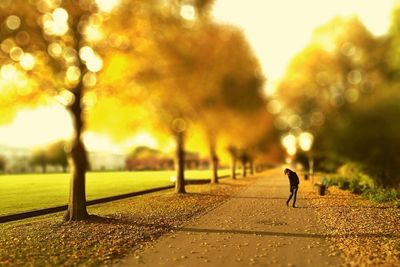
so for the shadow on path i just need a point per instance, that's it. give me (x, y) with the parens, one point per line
(267, 233)
(245, 197)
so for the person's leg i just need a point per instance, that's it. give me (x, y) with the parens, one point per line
(290, 197)
(295, 196)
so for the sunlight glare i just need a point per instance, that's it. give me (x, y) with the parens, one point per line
(141, 139)
(99, 143)
(278, 29)
(35, 127)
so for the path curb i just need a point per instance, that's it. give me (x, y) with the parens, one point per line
(40, 212)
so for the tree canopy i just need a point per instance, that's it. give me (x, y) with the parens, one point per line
(342, 88)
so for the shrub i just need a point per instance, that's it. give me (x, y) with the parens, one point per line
(355, 179)
(344, 184)
(383, 195)
(351, 177)
(329, 181)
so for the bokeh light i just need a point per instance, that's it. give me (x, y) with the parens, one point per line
(13, 22)
(352, 95)
(65, 97)
(93, 62)
(55, 50)
(70, 55)
(7, 45)
(107, 5)
(188, 12)
(289, 143)
(274, 106)
(89, 79)
(27, 61)
(22, 38)
(56, 23)
(73, 75)
(8, 72)
(90, 99)
(305, 141)
(16, 53)
(179, 125)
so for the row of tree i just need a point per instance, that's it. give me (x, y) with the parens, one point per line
(344, 87)
(55, 154)
(2, 163)
(121, 69)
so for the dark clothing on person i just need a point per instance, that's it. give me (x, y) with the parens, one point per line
(294, 186)
(293, 192)
(293, 179)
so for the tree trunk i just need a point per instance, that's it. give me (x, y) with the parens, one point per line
(214, 161)
(233, 167)
(180, 158)
(78, 163)
(251, 167)
(44, 168)
(244, 163)
(78, 157)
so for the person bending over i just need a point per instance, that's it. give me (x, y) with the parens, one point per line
(294, 186)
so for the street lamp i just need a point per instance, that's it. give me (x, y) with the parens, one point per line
(188, 12)
(289, 143)
(305, 141)
(189, 15)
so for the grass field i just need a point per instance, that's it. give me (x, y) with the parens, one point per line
(19, 193)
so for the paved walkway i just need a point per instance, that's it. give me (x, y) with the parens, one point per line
(252, 228)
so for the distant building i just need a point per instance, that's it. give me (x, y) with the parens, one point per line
(149, 163)
(18, 160)
(193, 161)
(145, 158)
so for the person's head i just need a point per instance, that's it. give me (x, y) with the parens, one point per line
(287, 171)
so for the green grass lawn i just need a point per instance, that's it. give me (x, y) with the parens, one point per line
(19, 193)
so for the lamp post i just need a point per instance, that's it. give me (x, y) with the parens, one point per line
(305, 141)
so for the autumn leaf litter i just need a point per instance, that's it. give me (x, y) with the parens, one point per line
(116, 230)
(366, 233)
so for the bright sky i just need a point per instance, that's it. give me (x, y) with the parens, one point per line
(35, 127)
(278, 29)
